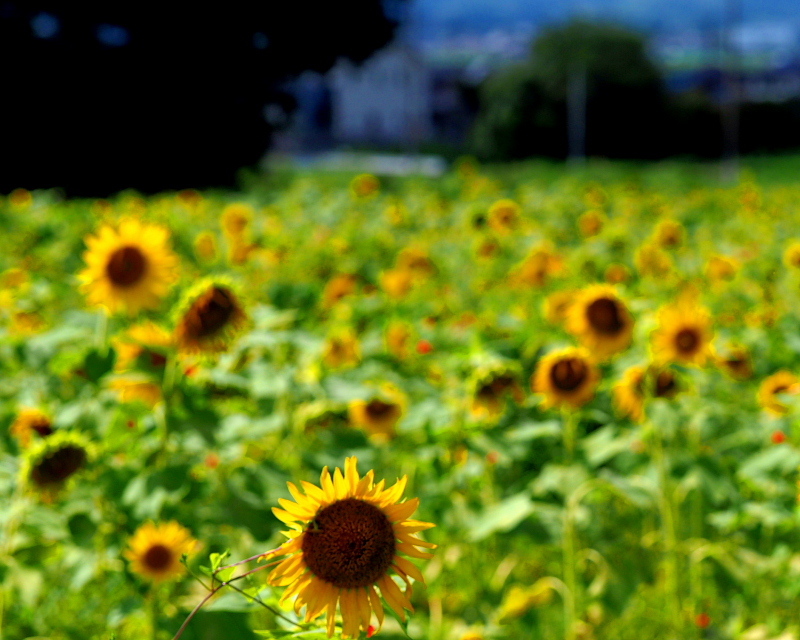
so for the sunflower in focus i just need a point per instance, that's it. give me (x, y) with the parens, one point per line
(155, 550)
(600, 320)
(345, 537)
(566, 378)
(684, 333)
(128, 268)
(29, 422)
(783, 382)
(209, 318)
(50, 463)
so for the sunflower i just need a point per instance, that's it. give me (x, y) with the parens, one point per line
(591, 223)
(364, 185)
(128, 268)
(342, 349)
(51, 462)
(396, 283)
(640, 383)
(600, 320)
(378, 416)
(236, 219)
(721, 269)
(566, 377)
(145, 344)
(345, 537)
(205, 246)
(617, 273)
(155, 550)
(491, 387)
(783, 382)
(397, 338)
(136, 388)
(28, 422)
(669, 234)
(504, 215)
(209, 318)
(791, 257)
(684, 333)
(417, 261)
(538, 267)
(736, 362)
(337, 288)
(556, 306)
(652, 261)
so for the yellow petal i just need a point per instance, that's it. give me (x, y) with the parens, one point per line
(398, 512)
(408, 567)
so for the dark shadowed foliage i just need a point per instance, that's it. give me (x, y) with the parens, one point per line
(155, 95)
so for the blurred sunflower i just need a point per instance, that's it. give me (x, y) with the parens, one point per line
(783, 382)
(791, 257)
(379, 415)
(417, 261)
(591, 223)
(736, 362)
(364, 185)
(640, 383)
(209, 318)
(236, 219)
(617, 273)
(538, 267)
(50, 463)
(136, 388)
(342, 349)
(566, 377)
(129, 268)
(147, 341)
(205, 246)
(338, 287)
(721, 269)
(155, 550)
(504, 215)
(600, 320)
(28, 422)
(684, 333)
(652, 261)
(490, 389)
(397, 339)
(556, 306)
(396, 283)
(345, 536)
(669, 234)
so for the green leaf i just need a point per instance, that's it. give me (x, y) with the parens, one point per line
(97, 364)
(217, 559)
(503, 516)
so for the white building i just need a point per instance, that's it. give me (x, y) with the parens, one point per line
(386, 99)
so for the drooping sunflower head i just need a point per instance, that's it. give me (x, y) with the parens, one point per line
(490, 387)
(504, 215)
(345, 538)
(50, 463)
(209, 317)
(129, 267)
(771, 388)
(566, 377)
(155, 550)
(600, 320)
(29, 422)
(684, 333)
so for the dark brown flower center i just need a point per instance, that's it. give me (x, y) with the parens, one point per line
(604, 316)
(126, 266)
(210, 313)
(42, 427)
(59, 465)
(687, 341)
(158, 557)
(349, 544)
(666, 385)
(568, 374)
(377, 409)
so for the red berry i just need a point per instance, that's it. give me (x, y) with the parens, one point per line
(370, 631)
(423, 347)
(778, 437)
(702, 620)
(492, 457)
(212, 460)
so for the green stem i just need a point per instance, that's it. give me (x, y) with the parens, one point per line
(668, 526)
(570, 576)
(569, 433)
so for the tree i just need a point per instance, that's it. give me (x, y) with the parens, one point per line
(625, 98)
(158, 95)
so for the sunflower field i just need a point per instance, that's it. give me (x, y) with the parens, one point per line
(512, 402)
